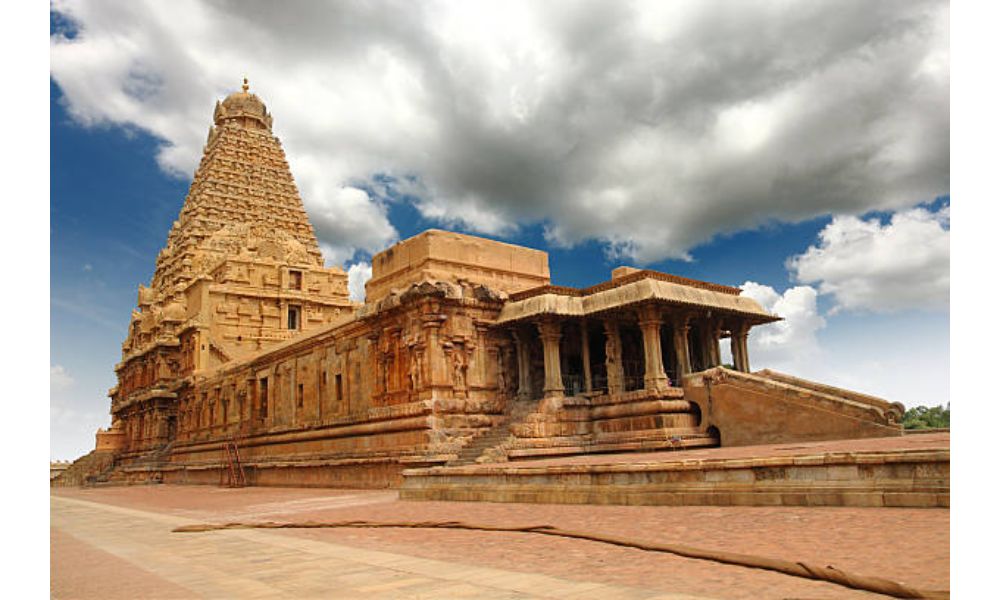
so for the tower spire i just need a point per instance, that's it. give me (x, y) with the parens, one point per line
(242, 185)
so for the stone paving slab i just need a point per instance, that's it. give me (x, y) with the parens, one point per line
(226, 564)
(907, 545)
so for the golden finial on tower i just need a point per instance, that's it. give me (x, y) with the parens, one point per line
(246, 85)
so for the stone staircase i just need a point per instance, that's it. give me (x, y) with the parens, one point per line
(491, 445)
(142, 469)
(629, 422)
(86, 469)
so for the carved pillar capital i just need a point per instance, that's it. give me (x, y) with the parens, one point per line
(549, 330)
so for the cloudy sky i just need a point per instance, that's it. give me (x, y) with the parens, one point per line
(797, 149)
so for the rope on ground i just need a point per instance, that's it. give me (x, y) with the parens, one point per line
(828, 573)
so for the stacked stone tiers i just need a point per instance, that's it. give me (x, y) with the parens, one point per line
(641, 420)
(910, 471)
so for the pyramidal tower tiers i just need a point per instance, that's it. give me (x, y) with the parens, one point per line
(241, 269)
(243, 184)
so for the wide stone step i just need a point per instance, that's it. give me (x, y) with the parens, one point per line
(790, 475)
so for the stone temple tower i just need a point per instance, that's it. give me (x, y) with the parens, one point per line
(241, 271)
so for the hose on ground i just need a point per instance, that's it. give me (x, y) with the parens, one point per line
(828, 573)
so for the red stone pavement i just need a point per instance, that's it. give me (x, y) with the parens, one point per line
(907, 545)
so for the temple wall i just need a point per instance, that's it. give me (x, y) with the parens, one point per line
(407, 383)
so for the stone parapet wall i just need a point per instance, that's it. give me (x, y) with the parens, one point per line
(913, 479)
(627, 421)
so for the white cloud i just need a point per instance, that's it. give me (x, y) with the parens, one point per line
(59, 378)
(357, 275)
(648, 127)
(868, 266)
(900, 358)
(790, 344)
(346, 220)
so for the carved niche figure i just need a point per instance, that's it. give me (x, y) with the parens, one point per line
(415, 366)
(459, 365)
(501, 374)
(611, 352)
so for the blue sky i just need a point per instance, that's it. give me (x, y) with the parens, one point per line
(853, 253)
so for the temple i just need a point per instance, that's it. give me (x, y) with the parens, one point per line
(246, 361)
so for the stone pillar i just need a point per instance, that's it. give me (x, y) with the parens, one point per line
(613, 357)
(738, 341)
(523, 365)
(504, 370)
(162, 433)
(712, 335)
(347, 383)
(585, 356)
(550, 332)
(477, 370)
(655, 378)
(681, 329)
(374, 347)
(437, 367)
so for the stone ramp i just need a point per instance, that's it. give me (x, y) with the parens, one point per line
(773, 408)
(908, 471)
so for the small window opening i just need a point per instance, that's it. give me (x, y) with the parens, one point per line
(293, 317)
(300, 397)
(295, 280)
(339, 387)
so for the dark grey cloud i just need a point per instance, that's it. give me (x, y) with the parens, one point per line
(649, 126)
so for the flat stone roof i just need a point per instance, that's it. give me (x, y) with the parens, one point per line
(631, 289)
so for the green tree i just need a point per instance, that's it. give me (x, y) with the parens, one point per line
(921, 417)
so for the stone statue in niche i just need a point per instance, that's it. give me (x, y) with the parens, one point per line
(415, 366)
(611, 352)
(460, 366)
(501, 374)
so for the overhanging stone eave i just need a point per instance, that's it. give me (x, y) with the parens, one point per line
(540, 306)
(631, 295)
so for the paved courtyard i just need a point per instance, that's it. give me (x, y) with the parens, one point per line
(117, 543)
